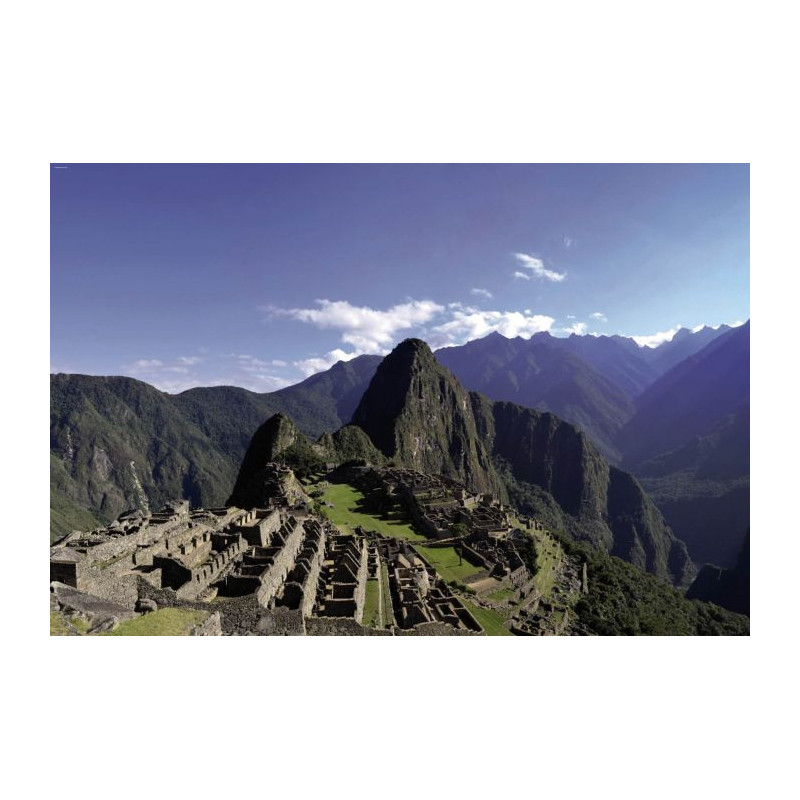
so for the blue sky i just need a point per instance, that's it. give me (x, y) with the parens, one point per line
(258, 275)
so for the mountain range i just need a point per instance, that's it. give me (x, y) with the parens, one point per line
(676, 416)
(118, 443)
(418, 415)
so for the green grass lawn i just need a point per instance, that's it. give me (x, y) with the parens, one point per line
(348, 511)
(549, 556)
(445, 561)
(490, 621)
(58, 625)
(164, 622)
(501, 594)
(371, 616)
(388, 612)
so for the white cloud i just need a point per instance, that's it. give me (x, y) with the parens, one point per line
(537, 268)
(371, 331)
(655, 339)
(250, 381)
(578, 328)
(482, 293)
(310, 366)
(523, 275)
(235, 369)
(368, 330)
(470, 323)
(568, 242)
(252, 364)
(599, 316)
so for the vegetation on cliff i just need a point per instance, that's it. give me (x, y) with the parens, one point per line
(625, 601)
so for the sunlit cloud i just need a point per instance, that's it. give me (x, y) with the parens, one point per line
(376, 332)
(578, 328)
(470, 323)
(482, 293)
(315, 364)
(655, 339)
(366, 329)
(537, 268)
(599, 316)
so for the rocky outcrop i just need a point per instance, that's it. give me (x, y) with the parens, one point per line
(98, 614)
(350, 443)
(729, 588)
(602, 504)
(260, 478)
(418, 415)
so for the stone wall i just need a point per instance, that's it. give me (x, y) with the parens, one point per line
(112, 586)
(361, 585)
(211, 627)
(340, 626)
(202, 576)
(273, 577)
(257, 528)
(436, 629)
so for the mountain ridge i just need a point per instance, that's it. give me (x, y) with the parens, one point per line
(402, 410)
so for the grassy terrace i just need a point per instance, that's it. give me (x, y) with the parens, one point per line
(501, 594)
(164, 622)
(349, 510)
(372, 616)
(445, 561)
(490, 621)
(549, 556)
(387, 596)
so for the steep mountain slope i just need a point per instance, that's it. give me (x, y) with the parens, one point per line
(419, 416)
(729, 588)
(275, 440)
(322, 403)
(690, 399)
(703, 490)
(117, 442)
(598, 502)
(327, 400)
(684, 344)
(624, 601)
(689, 445)
(542, 373)
(617, 358)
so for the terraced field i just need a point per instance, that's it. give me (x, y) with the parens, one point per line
(347, 509)
(445, 560)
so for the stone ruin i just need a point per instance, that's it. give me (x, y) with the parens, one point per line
(281, 569)
(265, 570)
